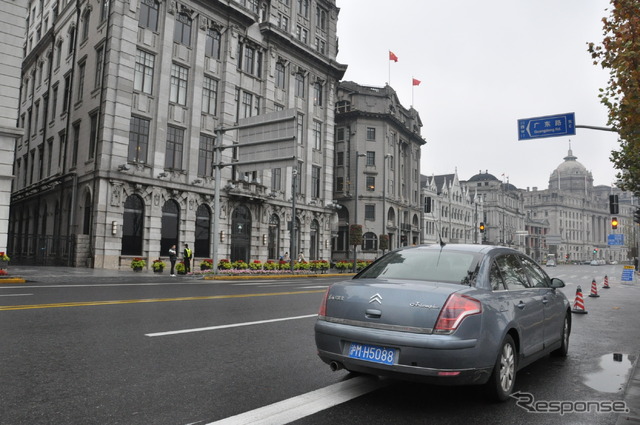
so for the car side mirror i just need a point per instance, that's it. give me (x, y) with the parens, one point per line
(557, 283)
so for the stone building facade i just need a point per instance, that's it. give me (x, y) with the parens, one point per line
(452, 213)
(13, 14)
(377, 163)
(120, 104)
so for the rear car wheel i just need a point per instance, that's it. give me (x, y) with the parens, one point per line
(566, 331)
(503, 378)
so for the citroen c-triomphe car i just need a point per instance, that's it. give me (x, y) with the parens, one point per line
(445, 314)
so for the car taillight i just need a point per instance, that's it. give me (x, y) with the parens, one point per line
(323, 306)
(454, 311)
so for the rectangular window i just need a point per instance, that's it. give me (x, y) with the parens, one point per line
(321, 19)
(315, 182)
(300, 128)
(76, 143)
(86, 19)
(99, 64)
(317, 135)
(300, 85)
(104, 10)
(303, 7)
(93, 135)
(209, 95)
(340, 158)
(249, 58)
(339, 184)
(317, 94)
(138, 140)
(212, 44)
(340, 134)
(182, 30)
(276, 179)
(369, 212)
(40, 175)
(178, 92)
(280, 76)
(283, 22)
(54, 102)
(81, 72)
(149, 14)
(321, 45)
(61, 152)
(205, 157)
(371, 134)
(67, 92)
(371, 183)
(49, 155)
(301, 33)
(175, 144)
(371, 158)
(143, 74)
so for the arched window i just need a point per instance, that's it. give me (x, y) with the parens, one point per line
(314, 240)
(86, 222)
(369, 242)
(241, 234)
(132, 226)
(203, 232)
(170, 226)
(274, 237)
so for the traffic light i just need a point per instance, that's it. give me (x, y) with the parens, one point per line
(481, 227)
(595, 250)
(613, 204)
(636, 216)
(614, 222)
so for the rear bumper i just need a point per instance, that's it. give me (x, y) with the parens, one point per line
(437, 359)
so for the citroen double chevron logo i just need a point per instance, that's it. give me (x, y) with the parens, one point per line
(376, 298)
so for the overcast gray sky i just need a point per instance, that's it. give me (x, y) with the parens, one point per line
(483, 65)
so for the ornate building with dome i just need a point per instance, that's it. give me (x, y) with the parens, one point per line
(578, 215)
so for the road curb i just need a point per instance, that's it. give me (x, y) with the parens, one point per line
(276, 276)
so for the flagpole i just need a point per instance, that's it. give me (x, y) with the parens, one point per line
(389, 80)
(412, 87)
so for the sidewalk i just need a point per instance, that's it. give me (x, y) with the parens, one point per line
(632, 398)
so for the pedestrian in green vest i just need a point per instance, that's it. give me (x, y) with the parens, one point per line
(187, 255)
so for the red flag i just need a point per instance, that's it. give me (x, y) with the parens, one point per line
(416, 82)
(392, 56)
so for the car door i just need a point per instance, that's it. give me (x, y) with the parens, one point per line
(554, 308)
(526, 304)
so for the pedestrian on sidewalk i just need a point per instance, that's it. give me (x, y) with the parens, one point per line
(187, 254)
(173, 256)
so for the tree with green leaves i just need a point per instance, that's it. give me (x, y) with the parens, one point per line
(620, 53)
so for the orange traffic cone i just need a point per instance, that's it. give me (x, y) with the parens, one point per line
(594, 289)
(606, 283)
(578, 305)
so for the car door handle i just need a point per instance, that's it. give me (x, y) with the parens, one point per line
(545, 301)
(373, 314)
(521, 305)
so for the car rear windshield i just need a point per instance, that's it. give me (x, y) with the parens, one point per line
(428, 265)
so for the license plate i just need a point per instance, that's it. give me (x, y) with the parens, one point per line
(372, 353)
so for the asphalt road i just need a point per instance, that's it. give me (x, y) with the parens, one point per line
(184, 351)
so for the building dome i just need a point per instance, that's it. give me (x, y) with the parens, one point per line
(481, 177)
(571, 175)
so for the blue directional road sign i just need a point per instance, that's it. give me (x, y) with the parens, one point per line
(617, 239)
(549, 126)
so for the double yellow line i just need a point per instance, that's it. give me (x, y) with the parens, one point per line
(150, 300)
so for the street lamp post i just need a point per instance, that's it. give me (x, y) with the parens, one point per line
(355, 208)
(384, 194)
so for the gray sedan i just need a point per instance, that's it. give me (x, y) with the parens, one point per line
(445, 314)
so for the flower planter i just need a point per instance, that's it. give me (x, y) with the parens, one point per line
(137, 269)
(160, 270)
(4, 264)
(203, 268)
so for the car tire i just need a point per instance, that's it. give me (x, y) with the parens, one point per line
(503, 377)
(566, 332)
